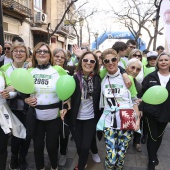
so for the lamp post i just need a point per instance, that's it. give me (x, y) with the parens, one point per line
(1, 25)
(140, 37)
(96, 36)
(81, 21)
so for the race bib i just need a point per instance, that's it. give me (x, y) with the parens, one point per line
(43, 81)
(114, 91)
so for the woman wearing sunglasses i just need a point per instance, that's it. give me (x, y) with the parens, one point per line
(157, 116)
(6, 58)
(114, 94)
(84, 112)
(46, 105)
(19, 147)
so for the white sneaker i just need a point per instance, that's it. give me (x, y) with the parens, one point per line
(62, 160)
(96, 158)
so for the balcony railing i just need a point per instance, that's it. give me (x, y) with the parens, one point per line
(13, 5)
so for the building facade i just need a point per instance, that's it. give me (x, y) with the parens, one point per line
(35, 20)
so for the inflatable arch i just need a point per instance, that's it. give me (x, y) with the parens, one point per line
(116, 35)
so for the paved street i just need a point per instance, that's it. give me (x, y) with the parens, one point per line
(134, 160)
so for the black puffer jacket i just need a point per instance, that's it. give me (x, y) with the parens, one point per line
(162, 111)
(76, 100)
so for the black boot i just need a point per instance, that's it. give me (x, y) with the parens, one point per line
(14, 162)
(151, 165)
(22, 163)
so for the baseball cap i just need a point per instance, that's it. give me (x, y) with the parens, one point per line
(152, 54)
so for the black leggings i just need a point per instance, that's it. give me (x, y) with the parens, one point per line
(83, 134)
(3, 149)
(155, 134)
(18, 145)
(47, 132)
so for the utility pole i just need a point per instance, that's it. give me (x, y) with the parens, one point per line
(1, 25)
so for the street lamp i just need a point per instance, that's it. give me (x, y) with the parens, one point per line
(140, 37)
(96, 36)
(81, 22)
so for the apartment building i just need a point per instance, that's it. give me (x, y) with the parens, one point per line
(35, 20)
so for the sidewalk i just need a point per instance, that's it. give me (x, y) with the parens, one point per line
(134, 160)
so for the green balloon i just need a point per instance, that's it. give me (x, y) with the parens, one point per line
(22, 81)
(102, 73)
(149, 70)
(155, 95)
(65, 87)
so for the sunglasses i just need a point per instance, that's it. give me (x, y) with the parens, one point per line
(85, 60)
(7, 48)
(42, 51)
(135, 55)
(151, 58)
(135, 68)
(107, 61)
(132, 47)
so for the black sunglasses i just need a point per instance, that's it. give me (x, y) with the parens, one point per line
(106, 61)
(85, 60)
(42, 51)
(135, 55)
(7, 48)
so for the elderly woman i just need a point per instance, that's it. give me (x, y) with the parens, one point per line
(133, 68)
(157, 116)
(47, 105)
(19, 147)
(114, 96)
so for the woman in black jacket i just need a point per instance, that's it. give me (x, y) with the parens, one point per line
(157, 116)
(84, 112)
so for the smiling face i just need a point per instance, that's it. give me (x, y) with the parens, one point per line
(111, 63)
(88, 64)
(59, 58)
(133, 69)
(42, 55)
(163, 62)
(19, 55)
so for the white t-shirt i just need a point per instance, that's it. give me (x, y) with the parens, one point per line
(120, 92)
(45, 92)
(163, 79)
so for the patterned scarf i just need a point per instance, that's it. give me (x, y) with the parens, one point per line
(86, 84)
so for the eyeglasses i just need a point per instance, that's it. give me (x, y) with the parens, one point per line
(135, 68)
(84, 48)
(135, 55)
(63, 58)
(132, 47)
(42, 51)
(85, 60)
(7, 48)
(151, 58)
(107, 61)
(20, 52)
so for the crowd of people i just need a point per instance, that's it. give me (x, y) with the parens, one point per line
(95, 108)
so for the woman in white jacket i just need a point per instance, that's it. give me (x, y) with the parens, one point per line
(8, 122)
(114, 97)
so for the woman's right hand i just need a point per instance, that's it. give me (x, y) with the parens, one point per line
(31, 101)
